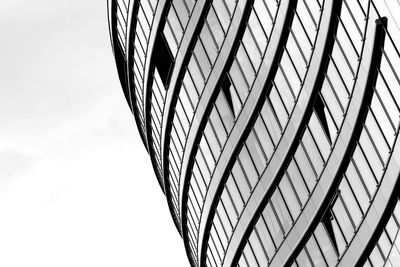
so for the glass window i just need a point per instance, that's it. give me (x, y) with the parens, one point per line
(340, 242)
(298, 181)
(205, 170)
(202, 58)
(297, 55)
(222, 13)
(325, 245)
(249, 169)
(197, 75)
(223, 215)
(251, 48)
(212, 141)
(289, 196)
(265, 139)
(258, 249)
(171, 39)
(290, 74)
(175, 24)
(270, 121)
(281, 210)
(235, 195)
(302, 259)
(218, 126)
(320, 136)
(248, 251)
(371, 155)
(336, 83)
(182, 11)
(305, 168)
(238, 80)
(312, 151)
(376, 136)
(229, 207)
(350, 202)
(217, 241)
(315, 252)
(240, 181)
(257, 31)
(273, 225)
(264, 235)
(343, 219)
(224, 112)
(376, 258)
(211, 46)
(253, 144)
(364, 170)
(278, 106)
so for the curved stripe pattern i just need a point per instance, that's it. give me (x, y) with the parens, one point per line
(272, 125)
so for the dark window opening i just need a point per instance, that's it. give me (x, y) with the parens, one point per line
(319, 108)
(225, 86)
(231, 96)
(163, 60)
(327, 222)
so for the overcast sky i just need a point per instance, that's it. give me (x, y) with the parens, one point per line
(76, 184)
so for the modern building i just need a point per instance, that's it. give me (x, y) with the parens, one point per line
(272, 125)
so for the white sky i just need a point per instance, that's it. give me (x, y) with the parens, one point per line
(76, 184)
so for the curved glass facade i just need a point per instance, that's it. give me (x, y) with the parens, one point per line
(272, 125)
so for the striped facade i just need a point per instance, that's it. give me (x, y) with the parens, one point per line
(271, 125)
